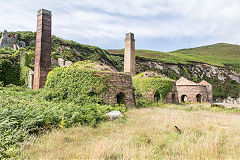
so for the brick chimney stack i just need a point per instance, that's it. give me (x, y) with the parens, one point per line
(43, 48)
(129, 55)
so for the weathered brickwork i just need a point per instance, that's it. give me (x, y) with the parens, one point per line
(43, 48)
(189, 91)
(209, 89)
(172, 97)
(119, 86)
(129, 55)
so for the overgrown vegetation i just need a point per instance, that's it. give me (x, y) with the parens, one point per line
(69, 50)
(147, 133)
(12, 71)
(76, 83)
(25, 112)
(160, 87)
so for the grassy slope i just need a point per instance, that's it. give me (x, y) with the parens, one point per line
(217, 54)
(147, 133)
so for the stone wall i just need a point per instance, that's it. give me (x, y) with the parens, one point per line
(191, 91)
(172, 97)
(119, 84)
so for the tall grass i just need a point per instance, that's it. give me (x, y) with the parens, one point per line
(146, 133)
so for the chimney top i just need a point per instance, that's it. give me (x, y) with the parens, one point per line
(44, 11)
(129, 35)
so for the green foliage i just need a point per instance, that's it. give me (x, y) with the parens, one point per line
(26, 36)
(7, 51)
(24, 72)
(159, 86)
(25, 112)
(74, 84)
(10, 72)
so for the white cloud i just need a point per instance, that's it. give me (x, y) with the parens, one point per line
(109, 20)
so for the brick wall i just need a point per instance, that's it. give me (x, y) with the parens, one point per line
(191, 91)
(43, 49)
(119, 83)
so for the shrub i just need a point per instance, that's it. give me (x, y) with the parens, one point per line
(24, 112)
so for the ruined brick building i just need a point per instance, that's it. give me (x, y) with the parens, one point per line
(120, 89)
(189, 91)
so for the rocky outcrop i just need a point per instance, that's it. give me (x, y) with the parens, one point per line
(226, 82)
(9, 40)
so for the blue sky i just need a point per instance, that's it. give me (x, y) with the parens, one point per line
(163, 25)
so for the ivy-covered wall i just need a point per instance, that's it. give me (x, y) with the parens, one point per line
(157, 86)
(12, 71)
(75, 84)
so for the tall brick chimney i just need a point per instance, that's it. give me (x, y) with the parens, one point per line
(129, 55)
(43, 48)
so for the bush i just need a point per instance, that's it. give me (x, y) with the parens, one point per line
(24, 112)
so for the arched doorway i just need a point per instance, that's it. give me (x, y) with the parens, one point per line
(184, 98)
(173, 98)
(199, 98)
(120, 98)
(157, 97)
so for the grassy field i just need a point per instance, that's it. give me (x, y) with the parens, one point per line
(148, 133)
(218, 54)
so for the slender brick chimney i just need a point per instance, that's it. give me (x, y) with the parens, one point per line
(43, 48)
(129, 55)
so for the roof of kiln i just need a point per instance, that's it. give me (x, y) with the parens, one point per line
(183, 81)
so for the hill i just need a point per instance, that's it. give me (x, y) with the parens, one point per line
(221, 54)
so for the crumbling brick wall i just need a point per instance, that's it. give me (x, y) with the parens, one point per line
(119, 83)
(191, 91)
(172, 97)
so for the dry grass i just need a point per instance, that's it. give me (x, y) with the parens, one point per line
(146, 133)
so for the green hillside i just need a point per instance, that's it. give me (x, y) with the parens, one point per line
(217, 54)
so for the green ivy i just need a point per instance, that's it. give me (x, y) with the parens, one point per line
(75, 84)
(160, 87)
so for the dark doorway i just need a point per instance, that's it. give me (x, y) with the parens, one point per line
(199, 98)
(120, 98)
(183, 98)
(157, 97)
(173, 98)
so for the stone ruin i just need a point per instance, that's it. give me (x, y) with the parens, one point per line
(172, 96)
(189, 91)
(9, 40)
(120, 84)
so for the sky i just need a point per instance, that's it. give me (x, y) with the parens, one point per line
(163, 25)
